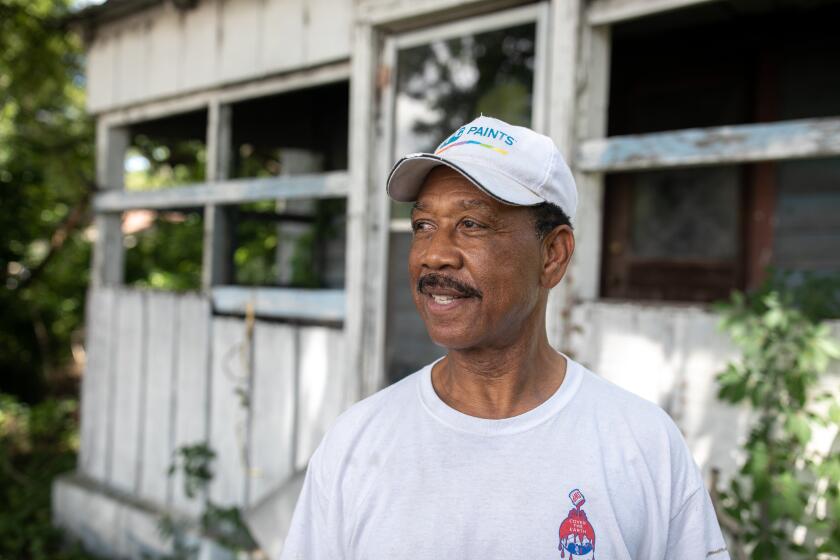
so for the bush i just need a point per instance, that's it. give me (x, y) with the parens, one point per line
(785, 500)
(36, 444)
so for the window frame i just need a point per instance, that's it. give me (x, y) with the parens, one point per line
(212, 195)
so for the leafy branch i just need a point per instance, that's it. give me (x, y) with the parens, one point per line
(785, 500)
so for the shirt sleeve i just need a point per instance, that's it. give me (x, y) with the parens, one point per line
(310, 535)
(694, 531)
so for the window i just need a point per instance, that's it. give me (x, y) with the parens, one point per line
(163, 247)
(444, 78)
(297, 243)
(695, 234)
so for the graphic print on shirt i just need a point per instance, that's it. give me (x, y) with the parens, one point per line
(577, 536)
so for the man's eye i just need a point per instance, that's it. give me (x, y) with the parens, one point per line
(470, 224)
(419, 226)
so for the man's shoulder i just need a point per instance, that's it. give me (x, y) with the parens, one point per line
(368, 420)
(383, 402)
(623, 407)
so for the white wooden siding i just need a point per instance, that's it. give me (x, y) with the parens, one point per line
(94, 448)
(162, 52)
(127, 376)
(191, 387)
(162, 319)
(164, 373)
(274, 386)
(325, 387)
(230, 383)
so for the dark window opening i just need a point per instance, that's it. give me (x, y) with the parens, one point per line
(697, 234)
(304, 131)
(720, 65)
(167, 152)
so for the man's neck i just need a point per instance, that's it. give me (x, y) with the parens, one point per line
(500, 382)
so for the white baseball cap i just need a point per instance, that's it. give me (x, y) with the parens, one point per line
(513, 164)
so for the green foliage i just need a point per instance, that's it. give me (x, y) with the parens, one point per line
(224, 525)
(167, 254)
(46, 171)
(784, 482)
(169, 163)
(255, 257)
(36, 444)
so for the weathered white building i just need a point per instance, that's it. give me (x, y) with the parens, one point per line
(704, 136)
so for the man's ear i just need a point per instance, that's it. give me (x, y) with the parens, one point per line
(557, 249)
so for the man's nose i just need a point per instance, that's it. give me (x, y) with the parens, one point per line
(441, 251)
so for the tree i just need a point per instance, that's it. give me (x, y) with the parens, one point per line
(46, 184)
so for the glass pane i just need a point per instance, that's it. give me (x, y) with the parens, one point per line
(686, 214)
(440, 86)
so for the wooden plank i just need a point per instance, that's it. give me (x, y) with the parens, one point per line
(362, 191)
(128, 378)
(236, 191)
(230, 386)
(158, 411)
(325, 387)
(565, 55)
(96, 383)
(195, 100)
(191, 386)
(271, 440)
(99, 72)
(282, 33)
(198, 59)
(108, 254)
(132, 69)
(164, 38)
(409, 14)
(238, 40)
(327, 30)
(281, 303)
(606, 12)
(807, 138)
(218, 238)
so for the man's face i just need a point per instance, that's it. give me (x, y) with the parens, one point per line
(475, 264)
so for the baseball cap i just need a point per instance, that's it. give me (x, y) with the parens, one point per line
(513, 164)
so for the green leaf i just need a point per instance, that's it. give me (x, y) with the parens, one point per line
(797, 425)
(834, 413)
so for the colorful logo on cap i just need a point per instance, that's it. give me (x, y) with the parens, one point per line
(577, 536)
(482, 131)
(454, 138)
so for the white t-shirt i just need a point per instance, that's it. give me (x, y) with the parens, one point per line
(592, 472)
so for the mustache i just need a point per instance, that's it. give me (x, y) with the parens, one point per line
(437, 280)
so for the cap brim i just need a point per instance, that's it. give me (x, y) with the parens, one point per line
(410, 172)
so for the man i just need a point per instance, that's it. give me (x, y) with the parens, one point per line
(504, 448)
